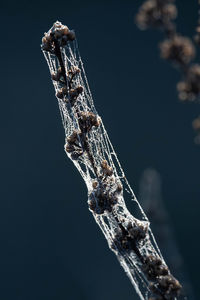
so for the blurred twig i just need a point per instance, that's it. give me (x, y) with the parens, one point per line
(150, 196)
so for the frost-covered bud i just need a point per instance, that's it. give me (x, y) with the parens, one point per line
(169, 286)
(69, 148)
(106, 169)
(94, 184)
(59, 34)
(73, 145)
(104, 196)
(61, 93)
(153, 267)
(119, 187)
(74, 93)
(57, 75)
(137, 231)
(46, 43)
(73, 71)
(94, 120)
(73, 137)
(88, 120)
(76, 154)
(92, 204)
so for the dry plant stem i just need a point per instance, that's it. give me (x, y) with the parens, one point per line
(89, 148)
(86, 145)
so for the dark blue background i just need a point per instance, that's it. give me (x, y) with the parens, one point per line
(51, 247)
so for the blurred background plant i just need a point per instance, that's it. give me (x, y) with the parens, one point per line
(150, 195)
(176, 48)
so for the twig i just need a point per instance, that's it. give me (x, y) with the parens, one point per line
(89, 147)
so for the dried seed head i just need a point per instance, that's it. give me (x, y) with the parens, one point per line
(73, 137)
(75, 92)
(71, 35)
(65, 30)
(47, 42)
(169, 11)
(64, 40)
(94, 120)
(137, 231)
(169, 285)
(196, 124)
(79, 89)
(58, 33)
(189, 89)
(69, 148)
(94, 184)
(152, 287)
(179, 49)
(104, 196)
(107, 170)
(54, 76)
(59, 94)
(64, 90)
(46, 47)
(119, 187)
(152, 14)
(76, 154)
(74, 70)
(49, 38)
(153, 260)
(153, 267)
(44, 40)
(88, 120)
(92, 204)
(57, 75)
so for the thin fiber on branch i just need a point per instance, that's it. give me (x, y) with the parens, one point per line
(88, 146)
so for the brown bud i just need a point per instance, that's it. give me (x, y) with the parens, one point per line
(79, 89)
(65, 30)
(71, 35)
(94, 184)
(73, 137)
(59, 94)
(69, 148)
(44, 40)
(107, 170)
(58, 34)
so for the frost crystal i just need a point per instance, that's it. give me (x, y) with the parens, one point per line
(88, 146)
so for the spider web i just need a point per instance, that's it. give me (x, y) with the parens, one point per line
(102, 149)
